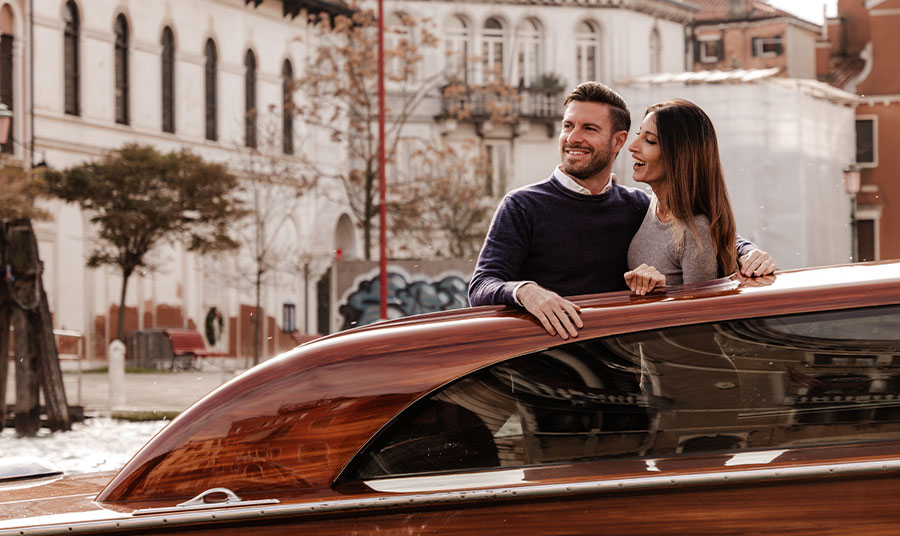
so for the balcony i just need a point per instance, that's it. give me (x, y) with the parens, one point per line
(502, 104)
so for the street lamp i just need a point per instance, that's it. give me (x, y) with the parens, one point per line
(852, 181)
(5, 120)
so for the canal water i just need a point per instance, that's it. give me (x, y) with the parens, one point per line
(97, 444)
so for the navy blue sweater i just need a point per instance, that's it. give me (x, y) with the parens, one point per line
(563, 241)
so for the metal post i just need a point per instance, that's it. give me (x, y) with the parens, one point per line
(854, 239)
(382, 209)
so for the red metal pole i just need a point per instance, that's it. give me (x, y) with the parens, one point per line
(382, 189)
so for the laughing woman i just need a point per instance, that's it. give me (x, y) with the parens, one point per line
(688, 233)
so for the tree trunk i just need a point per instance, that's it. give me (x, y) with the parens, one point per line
(120, 329)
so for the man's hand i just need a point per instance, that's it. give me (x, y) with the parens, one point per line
(757, 263)
(643, 279)
(558, 315)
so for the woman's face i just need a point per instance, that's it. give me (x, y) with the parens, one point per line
(648, 160)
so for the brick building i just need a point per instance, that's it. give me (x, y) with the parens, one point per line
(860, 53)
(751, 34)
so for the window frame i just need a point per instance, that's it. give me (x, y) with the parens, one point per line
(7, 86)
(761, 43)
(873, 119)
(287, 107)
(211, 92)
(167, 80)
(71, 60)
(493, 49)
(702, 44)
(250, 109)
(122, 74)
(587, 43)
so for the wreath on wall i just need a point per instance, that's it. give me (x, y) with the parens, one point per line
(214, 325)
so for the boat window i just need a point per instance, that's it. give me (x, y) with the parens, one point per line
(810, 379)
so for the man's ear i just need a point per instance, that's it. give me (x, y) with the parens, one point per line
(619, 139)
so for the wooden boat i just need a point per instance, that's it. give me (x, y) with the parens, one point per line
(731, 406)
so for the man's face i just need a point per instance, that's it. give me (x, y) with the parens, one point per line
(587, 142)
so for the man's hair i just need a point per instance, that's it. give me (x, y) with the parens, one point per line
(601, 93)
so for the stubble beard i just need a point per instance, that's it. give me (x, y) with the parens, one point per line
(599, 160)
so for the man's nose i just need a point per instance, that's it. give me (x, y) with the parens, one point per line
(574, 135)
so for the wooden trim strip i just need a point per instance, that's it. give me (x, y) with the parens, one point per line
(468, 496)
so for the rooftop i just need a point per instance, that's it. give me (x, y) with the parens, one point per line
(739, 10)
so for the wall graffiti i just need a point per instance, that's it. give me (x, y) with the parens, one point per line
(405, 298)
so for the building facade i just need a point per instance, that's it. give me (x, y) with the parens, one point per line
(84, 77)
(751, 34)
(860, 52)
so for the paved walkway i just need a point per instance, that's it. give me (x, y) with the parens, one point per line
(165, 393)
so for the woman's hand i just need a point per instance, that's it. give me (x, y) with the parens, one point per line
(643, 279)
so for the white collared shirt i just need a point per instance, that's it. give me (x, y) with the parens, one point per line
(572, 184)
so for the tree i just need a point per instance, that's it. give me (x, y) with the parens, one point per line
(339, 94)
(140, 198)
(442, 206)
(273, 186)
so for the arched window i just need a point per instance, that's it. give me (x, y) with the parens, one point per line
(168, 80)
(211, 93)
(457, 49)
(529, 37)
(250, 99)
(70, 59)
(397, 39)
(493, 41)
(287, 109)
(121, 70)
(655, 52)
(587, 52)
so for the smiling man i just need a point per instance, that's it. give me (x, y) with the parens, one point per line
(569, 234)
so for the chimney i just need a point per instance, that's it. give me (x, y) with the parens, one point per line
(739, 9)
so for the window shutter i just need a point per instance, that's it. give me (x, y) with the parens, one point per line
(753, 46)
(720, 50)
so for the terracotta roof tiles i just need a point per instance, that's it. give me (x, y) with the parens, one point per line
(717, 10)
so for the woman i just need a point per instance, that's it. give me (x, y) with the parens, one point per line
(688, 233)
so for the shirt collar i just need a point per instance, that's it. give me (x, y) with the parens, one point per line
(570, 184)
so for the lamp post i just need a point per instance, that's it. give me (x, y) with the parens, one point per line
(851, 186)
(382, 187)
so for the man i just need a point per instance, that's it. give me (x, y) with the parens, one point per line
(569, 234)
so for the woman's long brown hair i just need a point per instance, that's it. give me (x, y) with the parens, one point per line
(695, 183)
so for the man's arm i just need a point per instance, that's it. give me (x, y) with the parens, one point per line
(497, 277)
(505, 247)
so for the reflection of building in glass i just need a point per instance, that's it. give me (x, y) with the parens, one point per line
(743, 385)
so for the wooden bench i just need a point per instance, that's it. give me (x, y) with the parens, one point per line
(188, 343)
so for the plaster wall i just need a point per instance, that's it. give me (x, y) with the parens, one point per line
(783, 152)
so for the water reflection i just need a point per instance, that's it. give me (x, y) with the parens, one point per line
(98, 444)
